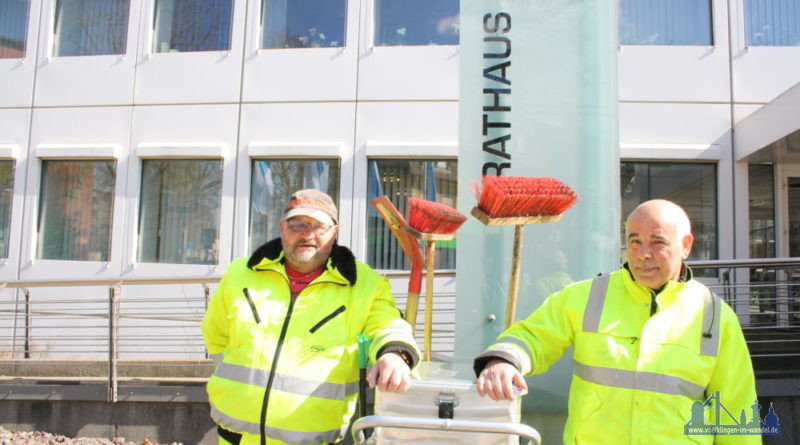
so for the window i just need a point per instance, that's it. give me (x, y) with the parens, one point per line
(693, 186)
(180, 211)
(665, 22)
(763, 295)
(772, 22)
(274, 181)
(13, 28)
(400, 179)
(6, 195)
(762, 211)
(90, 27)
(303, 23)
(75, 210)
(416, 22)
(192, 25)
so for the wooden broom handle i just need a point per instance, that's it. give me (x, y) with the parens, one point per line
(429, 256)
(513, 285)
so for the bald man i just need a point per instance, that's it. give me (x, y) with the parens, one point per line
(654, 349)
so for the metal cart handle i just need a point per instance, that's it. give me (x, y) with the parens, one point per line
(472, 426)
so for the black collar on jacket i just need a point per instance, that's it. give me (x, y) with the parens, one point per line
(342, 259)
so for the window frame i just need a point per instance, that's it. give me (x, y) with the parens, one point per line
(9, 265)
(33, 268)
(287, 150)
(386, 149)
(180, 151)
(711, 31)
(152, 10)
(254, 159)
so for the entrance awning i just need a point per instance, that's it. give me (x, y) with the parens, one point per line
(772, 133)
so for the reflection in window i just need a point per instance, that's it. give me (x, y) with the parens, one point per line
(303, 23)
(772, 22)
(665, 22)
(693, 186)
(273, 182)
(192, 25)
(75, 209)
(761, 207)
(416, 22)
(762, 211)
(6, 195)
(180, 211)
(90, 27)
(13, 28)
(433, 180)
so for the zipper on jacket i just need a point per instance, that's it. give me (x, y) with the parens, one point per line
(653, 304)
(252, 305)
(273, 368)
(328, 318)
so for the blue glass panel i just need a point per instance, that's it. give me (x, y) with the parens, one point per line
(91, 27)
(273, 182)
(192, 25)
(693, 186)
(13, 28)
(400, 179)
(303, 23)
(75, 209)
(772, 22)
(665, 22)
(416, 22)
(179, 211)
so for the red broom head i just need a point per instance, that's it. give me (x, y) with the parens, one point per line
(433, 217)
(510, 196)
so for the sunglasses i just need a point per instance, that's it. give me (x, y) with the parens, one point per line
(296, 225)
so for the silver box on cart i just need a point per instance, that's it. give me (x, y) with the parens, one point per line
(435, 395)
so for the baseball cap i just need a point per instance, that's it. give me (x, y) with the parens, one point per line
(313, 203)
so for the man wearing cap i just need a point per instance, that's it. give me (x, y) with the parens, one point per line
(283, 326)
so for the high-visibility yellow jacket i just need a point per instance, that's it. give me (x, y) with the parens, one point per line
(290, 365)
(637, 374)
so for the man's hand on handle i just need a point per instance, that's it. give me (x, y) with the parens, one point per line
(390, 373)
(497, 380)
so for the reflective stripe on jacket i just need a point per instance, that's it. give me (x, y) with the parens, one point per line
(636, 376)
(295, 360)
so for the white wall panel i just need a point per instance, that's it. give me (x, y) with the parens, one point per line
(101, 132)
(673, 123)
(14, 125)
(16, 75)
(188, 77)
(760, 73)
(299, 74)
(296, 130)
(181, 131)
(84, 80)
(678, 73)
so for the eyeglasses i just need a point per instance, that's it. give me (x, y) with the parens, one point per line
(296, 225)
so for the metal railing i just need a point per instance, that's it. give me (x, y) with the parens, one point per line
(48, 333)
(150, 327)
(765, 293)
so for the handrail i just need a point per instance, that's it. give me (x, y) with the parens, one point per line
(745, 262)
(110, 281)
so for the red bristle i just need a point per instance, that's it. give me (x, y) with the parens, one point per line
(509, 196)
(433, 217)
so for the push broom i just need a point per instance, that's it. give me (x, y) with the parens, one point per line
(431, 221)
(396, 223)
(518, 201)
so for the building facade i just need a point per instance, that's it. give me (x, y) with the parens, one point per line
(156, 138)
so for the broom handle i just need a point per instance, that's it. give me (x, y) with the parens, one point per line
(429, 255)
(513, 285)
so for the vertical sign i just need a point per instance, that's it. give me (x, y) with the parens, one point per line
(538, 97)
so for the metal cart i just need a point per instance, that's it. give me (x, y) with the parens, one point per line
(440, 409)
